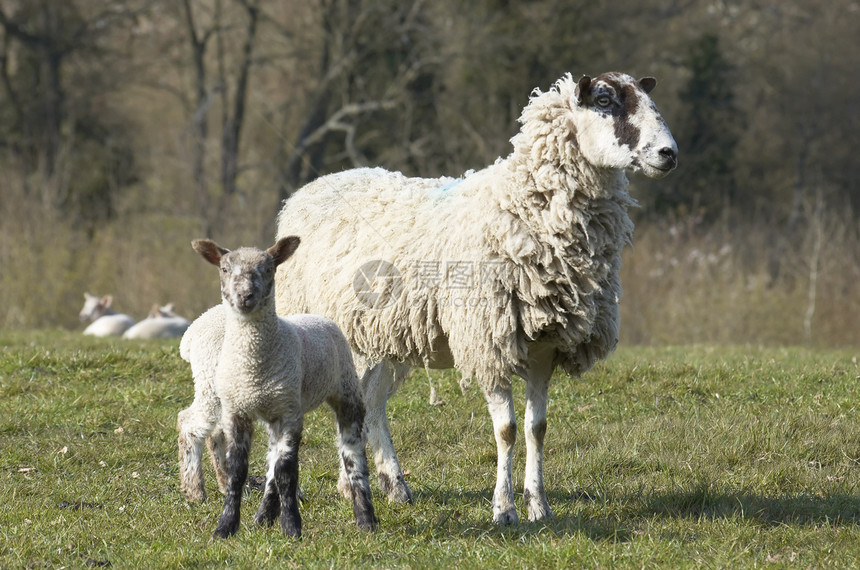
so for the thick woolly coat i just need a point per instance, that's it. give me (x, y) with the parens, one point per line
(477, 269)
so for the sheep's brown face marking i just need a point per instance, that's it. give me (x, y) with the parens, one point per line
(618, 126)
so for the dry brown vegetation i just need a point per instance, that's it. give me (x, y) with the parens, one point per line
(130, 127)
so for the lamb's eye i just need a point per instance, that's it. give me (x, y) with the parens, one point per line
(603, 101)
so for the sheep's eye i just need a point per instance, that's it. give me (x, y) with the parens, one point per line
(224, 269)
(603, 101)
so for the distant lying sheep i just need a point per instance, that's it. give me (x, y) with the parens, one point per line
(162, 322)
(511, 270)
(105, 321)
(272, 369)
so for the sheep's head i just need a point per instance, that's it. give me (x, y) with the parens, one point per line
(247, 273)
(617, 125)
(94, 307)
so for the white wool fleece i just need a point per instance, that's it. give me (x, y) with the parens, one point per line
(527, 249)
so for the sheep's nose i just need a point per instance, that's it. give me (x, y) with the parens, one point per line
(669, 155)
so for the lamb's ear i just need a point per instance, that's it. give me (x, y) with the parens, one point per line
(106, 300)
(283, 249)
(581, 89)
(647, 84)
(211, 251)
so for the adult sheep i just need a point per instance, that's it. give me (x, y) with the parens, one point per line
(510, 270)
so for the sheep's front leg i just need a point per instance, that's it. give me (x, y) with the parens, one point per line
(351, 444)
(379, 384)
(239, 431)
(500, 403)
(537, 386)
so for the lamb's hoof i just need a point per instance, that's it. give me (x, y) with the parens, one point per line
(367, 524)
(397, 490)
(291, 528)
(256, 482)
(507, 517)
(225, 531)
(194, 496)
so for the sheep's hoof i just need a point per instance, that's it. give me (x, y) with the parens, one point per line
(506, 517)
(366, 521)
(194, 496)
(397, 491)
(225, 531)
(539, 512)
(538, 507)
(291, 527)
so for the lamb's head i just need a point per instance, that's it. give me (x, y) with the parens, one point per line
(94, 307)
(617, 125)
(247, 273)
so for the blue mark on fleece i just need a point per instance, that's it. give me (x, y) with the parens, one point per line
(450, 184)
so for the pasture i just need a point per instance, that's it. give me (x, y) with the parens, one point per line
(678, 457)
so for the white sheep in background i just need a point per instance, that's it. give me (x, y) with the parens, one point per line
(511, 270)
(272, 369)
(105, 321)
(162, 322)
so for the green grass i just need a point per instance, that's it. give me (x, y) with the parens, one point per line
(677, 457)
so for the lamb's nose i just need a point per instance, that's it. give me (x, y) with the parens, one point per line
(669, 154)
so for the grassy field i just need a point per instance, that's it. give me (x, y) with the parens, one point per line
(677, 457)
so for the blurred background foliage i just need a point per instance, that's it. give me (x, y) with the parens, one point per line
(130, 127)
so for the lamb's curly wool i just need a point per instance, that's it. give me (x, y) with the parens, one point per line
(250, 364)
(511, 270)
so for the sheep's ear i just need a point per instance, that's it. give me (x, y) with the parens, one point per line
(647, 84)
(283, 249)
(107, 300)
(581, 90)
(211, 251)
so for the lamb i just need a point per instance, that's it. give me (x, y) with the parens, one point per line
(162, 322)
(272, 369)
(105, 321)
(510, 270)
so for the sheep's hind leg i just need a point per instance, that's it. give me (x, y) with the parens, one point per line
(239, 431)
(501, 406)
(351, 445)
(537, 385)
(379, 383)
(193, 426)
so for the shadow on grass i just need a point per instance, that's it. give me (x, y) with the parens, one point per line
(705, 502)
(453, 520)
(621, 521)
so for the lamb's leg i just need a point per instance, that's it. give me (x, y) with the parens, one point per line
(500, 403)
(351, 445)
(537, 385)
(270, 506)
(217, 446)
(286, 476)
(379, 383)
(193, 424)
(238, 431)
